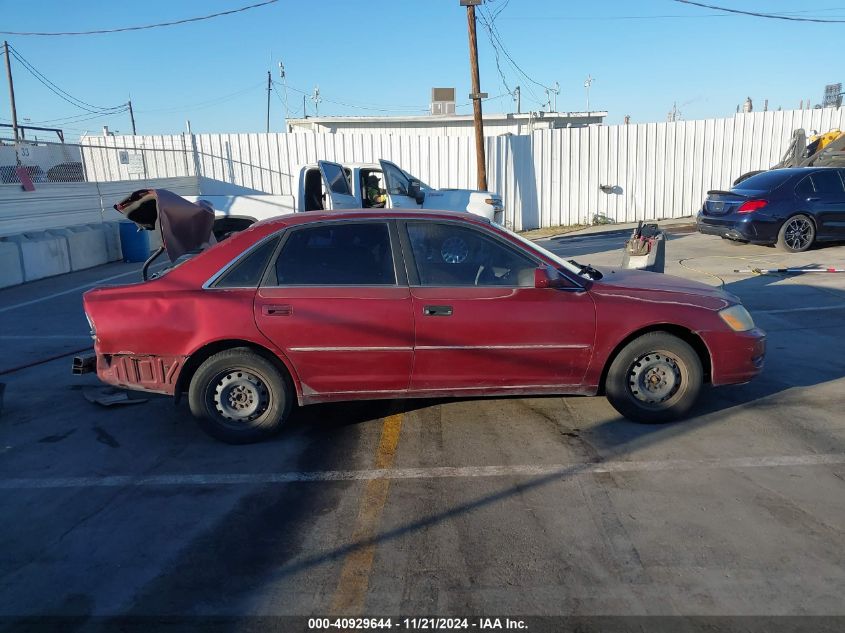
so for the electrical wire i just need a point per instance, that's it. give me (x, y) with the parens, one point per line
(63, 94)
(205, 104)
(361, 106)
(497, 43)
(143, 27)
(757, 14)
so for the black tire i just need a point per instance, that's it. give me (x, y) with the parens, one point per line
(796, 234)
(240, 397)
(665, 359)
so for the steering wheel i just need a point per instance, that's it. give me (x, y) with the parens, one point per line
(454, 250)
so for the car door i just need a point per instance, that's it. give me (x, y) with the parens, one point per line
(398, 185)
(338, 306)
(337, 186)
(481, 325)
(827, 202)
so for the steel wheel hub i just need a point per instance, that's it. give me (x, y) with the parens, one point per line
(654, 378)
(240, 395)
(797, 234)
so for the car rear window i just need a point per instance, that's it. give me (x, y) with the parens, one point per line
(765, 181)
(247, 273)
(337, 254)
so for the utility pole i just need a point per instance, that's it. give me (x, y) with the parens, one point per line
(132, 117)
(477, 95)
(517, 96)
(269, 88)
(317, 99)
(11, 91)
(587, 83)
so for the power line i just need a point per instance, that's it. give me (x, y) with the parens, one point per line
(361, 106)
(496, 42)
(756, 14)
(205, 104)
(63, 94)
(143, 27)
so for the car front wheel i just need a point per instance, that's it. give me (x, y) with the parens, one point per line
(797, 234)
(655, 378)
(240, 397)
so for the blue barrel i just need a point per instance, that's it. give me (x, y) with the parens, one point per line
(134, 243)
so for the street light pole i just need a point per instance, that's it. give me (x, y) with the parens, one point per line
(477, 95)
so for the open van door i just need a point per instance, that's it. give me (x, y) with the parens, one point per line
(337, 186)
(403, 191)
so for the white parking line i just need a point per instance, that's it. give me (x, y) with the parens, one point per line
(76, 289)
(442, 472)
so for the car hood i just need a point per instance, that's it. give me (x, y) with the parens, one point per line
(661, 287)
(184, 226)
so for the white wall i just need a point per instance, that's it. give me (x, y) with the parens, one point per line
(58, 205)
(553, 177)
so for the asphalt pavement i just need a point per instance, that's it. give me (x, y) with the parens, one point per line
(500, 507)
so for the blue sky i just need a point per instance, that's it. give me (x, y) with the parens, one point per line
(386, 55)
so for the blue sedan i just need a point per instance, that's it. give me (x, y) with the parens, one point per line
(793, 208)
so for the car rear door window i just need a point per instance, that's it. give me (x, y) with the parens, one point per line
(247, 272)
(805, 187)
(453, 255)
(827, 182)
(337, 254)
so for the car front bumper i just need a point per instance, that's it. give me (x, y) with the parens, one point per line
(736, 357)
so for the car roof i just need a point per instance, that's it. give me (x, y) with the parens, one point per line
(309, 217)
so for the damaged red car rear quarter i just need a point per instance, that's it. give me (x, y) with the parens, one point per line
(146, 333)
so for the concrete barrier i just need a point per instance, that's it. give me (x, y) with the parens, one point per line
(11, 269)
(112, 233)
(86, 245)
(42, 255)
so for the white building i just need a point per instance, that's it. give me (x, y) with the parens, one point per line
(446, 124)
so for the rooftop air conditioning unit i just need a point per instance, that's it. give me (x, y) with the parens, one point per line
(443, 101)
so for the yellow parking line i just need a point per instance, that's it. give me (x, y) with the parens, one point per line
(354, 579)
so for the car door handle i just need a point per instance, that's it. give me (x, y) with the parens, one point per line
(276, 310)
(437, 310)
(813, 199)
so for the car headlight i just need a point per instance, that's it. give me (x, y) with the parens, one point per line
(737, 318)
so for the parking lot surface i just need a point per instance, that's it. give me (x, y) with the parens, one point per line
(508, 506)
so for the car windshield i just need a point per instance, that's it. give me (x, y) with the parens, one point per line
(536, 247)
(765, 181)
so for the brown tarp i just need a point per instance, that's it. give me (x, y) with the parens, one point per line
(185, 226)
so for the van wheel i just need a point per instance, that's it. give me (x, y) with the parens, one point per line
(240, 397)
(797, 234)
(655, 378)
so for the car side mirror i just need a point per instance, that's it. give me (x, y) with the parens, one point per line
(548, 277)
(415, 191)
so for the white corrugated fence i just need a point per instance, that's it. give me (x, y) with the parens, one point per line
(552, 177)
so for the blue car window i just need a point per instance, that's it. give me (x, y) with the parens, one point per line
(827, 181)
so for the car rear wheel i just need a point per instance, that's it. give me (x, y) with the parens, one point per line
(655, 378)
(797, 234)
(240, 397)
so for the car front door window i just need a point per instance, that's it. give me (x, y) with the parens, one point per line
(452, 255)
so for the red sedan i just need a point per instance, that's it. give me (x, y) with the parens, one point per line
(318, 307)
